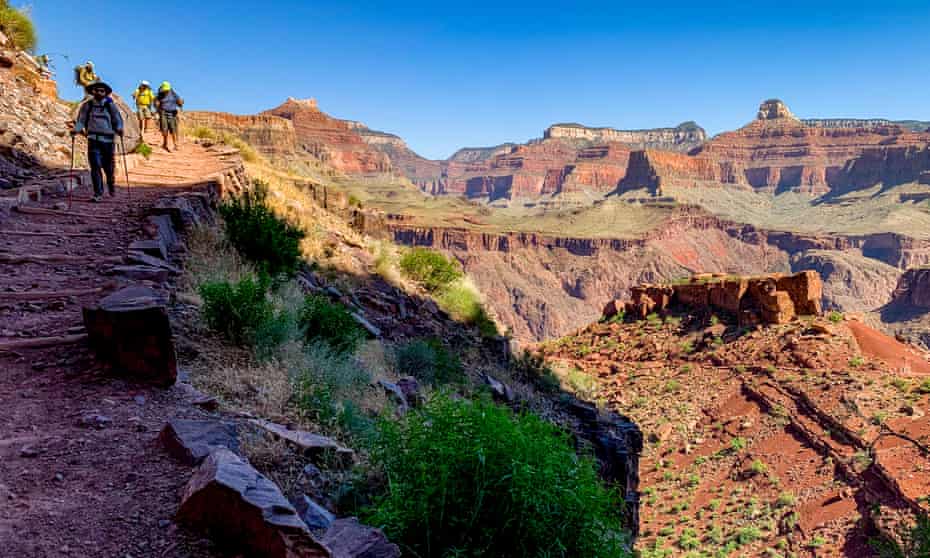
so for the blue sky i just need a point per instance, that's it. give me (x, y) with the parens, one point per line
(449, 74)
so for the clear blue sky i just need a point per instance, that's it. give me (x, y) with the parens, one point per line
(449, 74)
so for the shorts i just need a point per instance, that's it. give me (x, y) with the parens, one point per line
(168, 122)
(144, 112)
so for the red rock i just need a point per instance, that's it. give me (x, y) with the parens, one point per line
(130, 329)
(244, 510)
(914, 288)
(805, 289)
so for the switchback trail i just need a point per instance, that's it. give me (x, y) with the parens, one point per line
(80, 473)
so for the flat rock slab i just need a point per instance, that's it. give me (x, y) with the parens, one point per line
(155, 248)
(159, 227)
(309, 443)
(347, 538)
(315, 516)
(191, 441)
(244, 510)
(141, 258)
(130, 329)
(142, 273)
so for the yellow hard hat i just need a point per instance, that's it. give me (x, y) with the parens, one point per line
(165, 86)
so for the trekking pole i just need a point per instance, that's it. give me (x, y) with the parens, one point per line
(71, 175)
(122, 141)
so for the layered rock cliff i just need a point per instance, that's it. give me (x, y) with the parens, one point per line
(914, 288)
(778, 152)
(271, 135)
(329, 140)
(684, 137)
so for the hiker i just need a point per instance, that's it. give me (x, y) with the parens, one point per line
(99, 119)
(45, 66)
(145, 102)
(168, 103)
(85, 75)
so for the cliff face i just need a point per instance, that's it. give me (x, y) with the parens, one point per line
(684, 137)
(545, 286)
(334, 142)
(777, 152)
(272, 136)
(914, 288)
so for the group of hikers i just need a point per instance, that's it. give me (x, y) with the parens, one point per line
(100, 121)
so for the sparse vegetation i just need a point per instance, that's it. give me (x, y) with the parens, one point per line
(330, 322)
(271, 243)
(16, 24)
(143, 149)
(327, 382)
(469, 478)
(915, 542)
(463, 302)
(428, 360)
(244, 314)
(433, 271)
(835, 317)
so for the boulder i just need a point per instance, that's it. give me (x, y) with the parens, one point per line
(244, 510)
(805, 290)
(191, 441)
(315, 516)
(499, 390)
(130, 329)
(141, 258)
(726, 295)
(396, 394)
(347, 538)
(613, 308)
(696, 295)
(411, 390)
(183, 215)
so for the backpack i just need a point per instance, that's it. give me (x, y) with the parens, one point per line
(101, 119)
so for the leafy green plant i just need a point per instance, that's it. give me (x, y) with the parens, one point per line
(757, 467)
(429, 361)
(924, 387)
(835, 317)
(470, 478)
(786, 500)
(430, 269)
(17, 26)
(244, 314)
(260, 236)
(856, 362)
(328, 321)
(143, 149)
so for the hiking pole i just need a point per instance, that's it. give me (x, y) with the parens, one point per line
(71, 174)
(122, 142)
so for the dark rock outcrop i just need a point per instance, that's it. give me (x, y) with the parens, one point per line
(130, 330)
(191, 441)
(347, 538)
(241, 508)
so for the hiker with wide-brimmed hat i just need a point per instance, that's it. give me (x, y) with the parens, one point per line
(169, 103)
(99, 119)
(145, 103)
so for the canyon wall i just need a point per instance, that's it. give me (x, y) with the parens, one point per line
(272, 136)
(329, 140)
(914, 288)
(684, 137)
(543, 286)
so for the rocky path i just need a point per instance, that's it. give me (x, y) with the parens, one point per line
(80, 474)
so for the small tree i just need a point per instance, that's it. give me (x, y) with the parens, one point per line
(430, 269)
(18, 27)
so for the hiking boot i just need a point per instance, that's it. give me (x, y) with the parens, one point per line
(96, 199)
(112, 191)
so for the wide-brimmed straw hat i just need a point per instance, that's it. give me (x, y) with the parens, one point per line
(91, 86)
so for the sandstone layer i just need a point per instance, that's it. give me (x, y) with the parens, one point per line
(272, 136)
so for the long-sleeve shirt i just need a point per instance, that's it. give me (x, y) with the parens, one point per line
(102, 120)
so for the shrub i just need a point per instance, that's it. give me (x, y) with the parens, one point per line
(429, 361)
(757, 467)
(244, 314)
(143, 149)
(469, 479)
(246, 151)
(260, 236)
(202, 132)
(835, 317)
(330, 322)
(17, 26)
(785, 499)
(327, 383)
(533, 368)
(463, 303)
(924, 387)
(430, 269)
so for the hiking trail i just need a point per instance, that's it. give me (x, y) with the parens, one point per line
(80, 473)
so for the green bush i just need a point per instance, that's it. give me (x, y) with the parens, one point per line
(534, 368)
(915, 542)
(330, 322)
(430, 269)
(17, 26)
(243, 313)
(470, 479)
(429, 361)
(260, 236)
(463, 304)
(327, 383)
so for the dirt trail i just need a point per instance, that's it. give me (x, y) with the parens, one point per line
(80, 474)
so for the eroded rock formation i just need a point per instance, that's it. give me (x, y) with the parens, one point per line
(914, 288)
(684, 137)
(330, 140)
(271, 135)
